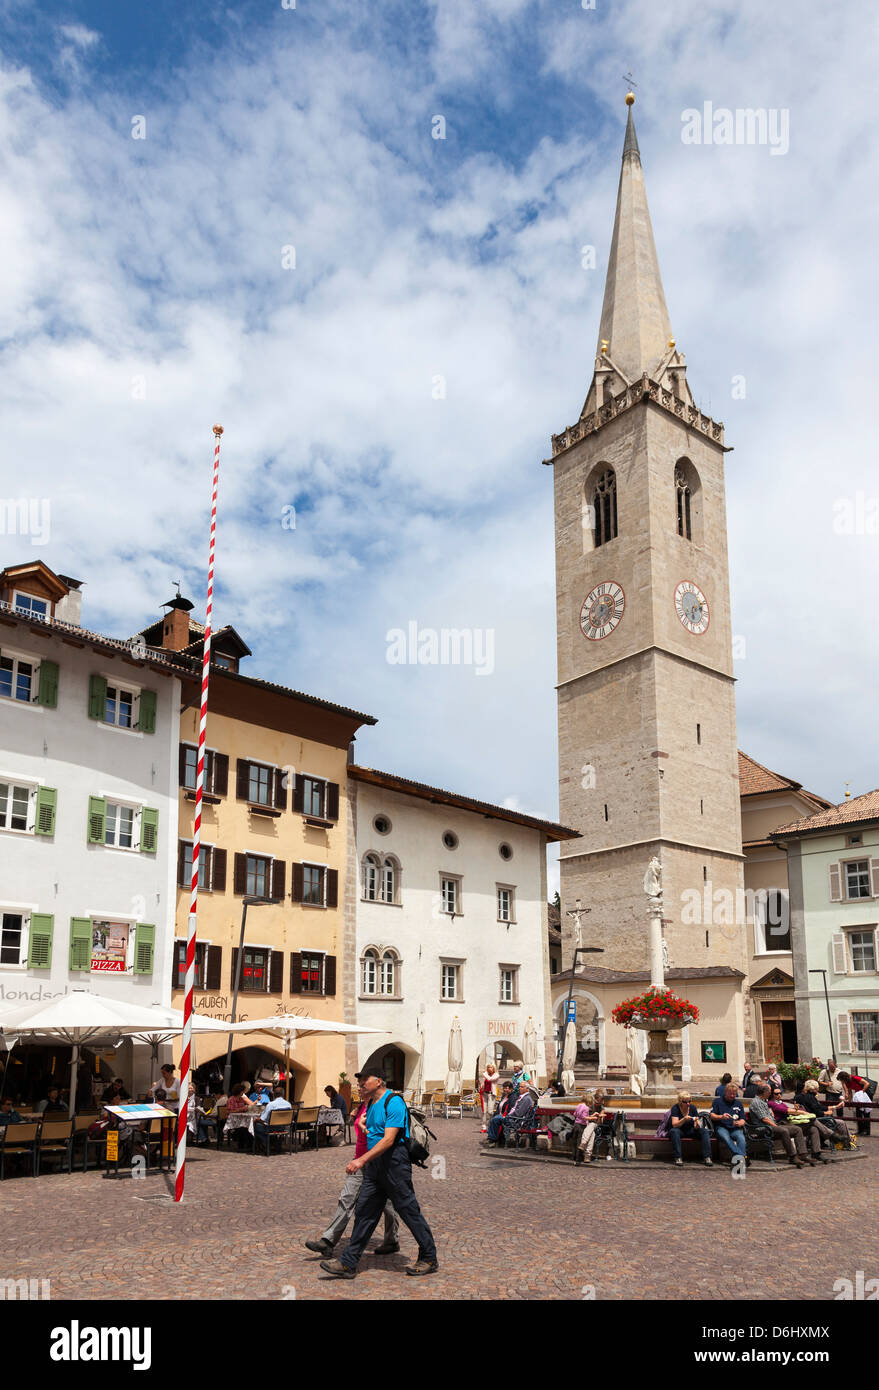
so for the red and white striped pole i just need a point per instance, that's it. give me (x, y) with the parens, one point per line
(180, 1170)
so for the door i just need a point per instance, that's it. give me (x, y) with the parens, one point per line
(789, 1040)
(779, 1031)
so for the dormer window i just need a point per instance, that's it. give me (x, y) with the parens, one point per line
(27, 603)
(225, 663)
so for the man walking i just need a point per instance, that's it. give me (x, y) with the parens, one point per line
(326, 1243)
(387, 1175)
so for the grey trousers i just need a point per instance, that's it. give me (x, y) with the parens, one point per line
(345, 1210)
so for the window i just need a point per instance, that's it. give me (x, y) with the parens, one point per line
(388, 973)
(312, 973)
(26, 603)
(314, 797)
(450, 891)
(260, 785)
(119, 826)
(257, 879)
(15, 803)
(682, 497)
(865, 1027)
(380, 878)
(857, 878)
(862, 945)
(255, 971)
(11, 938)
(371, 877)
(449, 984)
(109, 946)
(772, 921)
(119, 707)
(369, 973)
(604, 508)
(224, 662)
(509, 984)
(389, 882)
(16, 678)
(450, 840)
(854, 840)
(382, 825)
(313, 884)
(216, 770)
(203, 876)
(505, 905)
(201, 957)
(378, 973)
(505, 851)
(449, 981)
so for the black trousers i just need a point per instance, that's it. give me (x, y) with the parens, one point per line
(387, 1179)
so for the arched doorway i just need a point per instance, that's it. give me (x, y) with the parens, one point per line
(590, 1023)
(391, 1062)
(503, 1053)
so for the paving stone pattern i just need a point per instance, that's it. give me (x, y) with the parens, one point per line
(504, 1229)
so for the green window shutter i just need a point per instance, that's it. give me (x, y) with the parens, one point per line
(144, 942)
(97, 697)
(39, 946)
(147, 720)
(46, 800)
(96, 820)
(48, 693)
(80, 943)
(149, 830)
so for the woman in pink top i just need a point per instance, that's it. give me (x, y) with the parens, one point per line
(238, 1099)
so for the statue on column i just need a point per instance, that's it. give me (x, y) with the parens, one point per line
(653, 887)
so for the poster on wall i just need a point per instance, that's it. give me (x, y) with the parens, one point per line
(109, 946)
(713, 1051)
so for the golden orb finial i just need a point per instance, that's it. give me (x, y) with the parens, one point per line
(218, 430)
(671, 342)
(630, 98)
(604, 346)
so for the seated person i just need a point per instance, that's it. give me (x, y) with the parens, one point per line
(8, 1114)
(728, 1115)
(494, 1134)
(581, 1120)
(773, 1077)
(335, 1101)
(520, 1113)
(115, 1093)
(687, 1124)
(827, 1123)
(53, 1104)
(724, 1082)
(600, 1121)
(261, 1094)
(238, 1100)
(766, 1114)
(277, 1102)
(863, 1103)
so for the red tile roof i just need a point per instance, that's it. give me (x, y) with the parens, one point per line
(757, 780)
(857, 811)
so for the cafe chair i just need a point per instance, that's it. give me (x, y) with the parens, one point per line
(81, 1126)
(305, 1124)
(19, 1141)
(279, 1127)
(451, 1104)
(55, 1141)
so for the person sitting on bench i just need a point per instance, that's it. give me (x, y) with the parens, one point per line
(600, 1122)
(728, 1115)
(494, 1135)
(791, 1135)
(687, 1124)
(520, 1112)
(827, 1121)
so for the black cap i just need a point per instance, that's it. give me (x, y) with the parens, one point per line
(368, 1071)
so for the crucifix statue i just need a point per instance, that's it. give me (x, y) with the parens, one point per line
(576, 914)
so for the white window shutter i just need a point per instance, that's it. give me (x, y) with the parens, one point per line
(874, 877)
(835, 884)
(843, 1032)
(840, 958)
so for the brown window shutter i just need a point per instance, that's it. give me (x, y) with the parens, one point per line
(279, 876)
(181, 871)
(332, 801)
(242, 786)
(330, 975)
(298, 794)
(221, 774)
(295, 972)
(208, 770)
(213, 966)
(234, 964)
(276, 973)
(332, 887)
(239, 874)
(296, 892)
(218, 871)
(181, 765)
(280, 797)
(179, 955)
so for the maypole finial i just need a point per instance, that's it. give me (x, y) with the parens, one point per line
(218, 430)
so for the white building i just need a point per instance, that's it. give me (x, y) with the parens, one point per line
(89, 733)
(451, 922)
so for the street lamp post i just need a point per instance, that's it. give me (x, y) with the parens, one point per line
(227, 1070)
(823, 974)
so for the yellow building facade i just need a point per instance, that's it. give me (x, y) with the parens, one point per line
(274, 825)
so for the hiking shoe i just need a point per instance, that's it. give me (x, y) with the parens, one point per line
(709, 1162)
(423, 1267)
(387, 1247)
(813, 1162)
(796, 1163)
(338, 1270)
(320, 1247)
(679, 1163)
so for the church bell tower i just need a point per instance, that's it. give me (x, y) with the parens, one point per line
(647, 732)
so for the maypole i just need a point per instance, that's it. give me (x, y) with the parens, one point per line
(180, 1169)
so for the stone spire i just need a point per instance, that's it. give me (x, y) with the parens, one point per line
(635, 333)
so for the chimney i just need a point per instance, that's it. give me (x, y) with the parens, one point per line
(175, 624)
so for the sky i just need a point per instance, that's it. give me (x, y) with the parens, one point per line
(353, 234)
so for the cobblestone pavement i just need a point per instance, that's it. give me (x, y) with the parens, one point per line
(505, 1229)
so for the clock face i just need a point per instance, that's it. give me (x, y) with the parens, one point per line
(691, 606)
(602, 610)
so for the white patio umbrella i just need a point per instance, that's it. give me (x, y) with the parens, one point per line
(456, 1059)
(293, 1026)
(633, 1059)
(418, 1079)
(80, 1017)
(529, 1050)
(569, 1056)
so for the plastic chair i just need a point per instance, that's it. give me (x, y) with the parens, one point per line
(19, 1140)
(55, 1141)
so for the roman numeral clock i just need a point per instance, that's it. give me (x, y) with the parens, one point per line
(602, 610)
(691, 606)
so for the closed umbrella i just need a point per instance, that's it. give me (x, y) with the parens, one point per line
(456, 1059)
(418, 1080)
(569, 1056)
(633, 1060)
(529, 1050)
